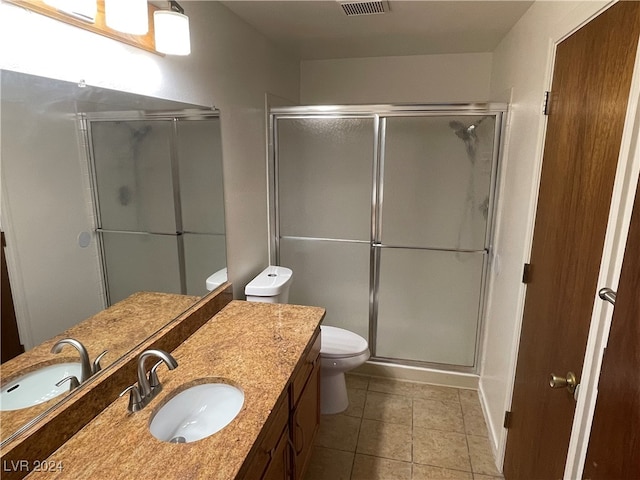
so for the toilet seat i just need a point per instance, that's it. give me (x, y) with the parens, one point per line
(341, 343)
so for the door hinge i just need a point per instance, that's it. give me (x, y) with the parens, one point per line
(546, 106)
(507, 419)
(526, 273)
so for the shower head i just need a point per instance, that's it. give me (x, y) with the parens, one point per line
(466, 132)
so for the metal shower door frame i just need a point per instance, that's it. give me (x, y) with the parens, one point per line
(379, 113)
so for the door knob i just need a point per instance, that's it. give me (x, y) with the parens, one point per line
(569, 382)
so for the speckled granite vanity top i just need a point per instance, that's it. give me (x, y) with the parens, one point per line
(255, 346)
(117, 329)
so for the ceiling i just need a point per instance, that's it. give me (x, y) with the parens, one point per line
(314, 29)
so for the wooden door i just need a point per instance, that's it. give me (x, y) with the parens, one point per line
(590, 89)
(614, 444)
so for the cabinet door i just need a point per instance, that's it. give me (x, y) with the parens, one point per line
(280, 464)
(305, 422)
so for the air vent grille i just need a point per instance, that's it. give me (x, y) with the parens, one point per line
(364, 8)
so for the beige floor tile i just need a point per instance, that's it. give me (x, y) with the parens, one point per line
(339, 432)
(477, 476)
(390, 385)
(357, 381)
(357, 398)
(329, 464)
(435, 392)
(469, 396)
(388, 408)
(440, 449)
(437, 415)
(474, 423)
(481, 457)
(388, 440)
(366, 467)
(428, 472)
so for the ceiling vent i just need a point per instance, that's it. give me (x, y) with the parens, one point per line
(364, 7)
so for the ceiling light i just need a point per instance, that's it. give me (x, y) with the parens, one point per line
(172, 30)
(127, 16)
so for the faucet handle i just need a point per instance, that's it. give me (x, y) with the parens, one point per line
(154, 381)
(96, 363)
(73, 382)
(135, 400)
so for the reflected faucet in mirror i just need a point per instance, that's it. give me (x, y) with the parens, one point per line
(87, 368)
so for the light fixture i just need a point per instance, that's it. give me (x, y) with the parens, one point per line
(127, 16)
(172, 30)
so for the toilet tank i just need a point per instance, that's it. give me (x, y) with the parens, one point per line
(270, 286)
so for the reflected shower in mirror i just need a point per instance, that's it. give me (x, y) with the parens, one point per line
(80, 162)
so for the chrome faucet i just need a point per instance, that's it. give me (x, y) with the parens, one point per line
(84, 356)
(140, 395)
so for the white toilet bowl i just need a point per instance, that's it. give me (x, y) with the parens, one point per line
(340, 351)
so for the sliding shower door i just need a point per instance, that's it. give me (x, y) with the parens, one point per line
(325, 173)
(432, 239)
(158, 193)
(385, 220)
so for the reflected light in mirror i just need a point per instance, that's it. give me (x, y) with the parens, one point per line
(81, 9)
(127, 16)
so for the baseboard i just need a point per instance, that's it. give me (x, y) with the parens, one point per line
(495, 441)
(418, 374)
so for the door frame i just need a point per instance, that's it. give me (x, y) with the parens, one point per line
(626, 181)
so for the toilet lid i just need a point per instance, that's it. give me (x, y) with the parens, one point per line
(339, 342)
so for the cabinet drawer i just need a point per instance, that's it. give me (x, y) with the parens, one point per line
(270, 442)
(302, 374)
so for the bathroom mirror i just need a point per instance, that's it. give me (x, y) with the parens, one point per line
(104, 194)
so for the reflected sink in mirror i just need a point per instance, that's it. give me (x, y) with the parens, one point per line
(38, 386)
(197, 412)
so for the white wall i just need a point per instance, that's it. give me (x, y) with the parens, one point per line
(522, 68)
(409, 79)
(231, 66)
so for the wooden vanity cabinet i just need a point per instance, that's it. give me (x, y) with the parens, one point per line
(305, 411)
(285, 449)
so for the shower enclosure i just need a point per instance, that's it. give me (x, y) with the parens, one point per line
(158, 197)
(384, 214)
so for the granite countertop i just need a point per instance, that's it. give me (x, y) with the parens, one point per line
(255, 346)
(117, 329)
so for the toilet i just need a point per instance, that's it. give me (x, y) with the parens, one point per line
(270, 286)
(340, 349)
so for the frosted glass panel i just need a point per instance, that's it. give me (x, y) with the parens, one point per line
(133, 175)
(140, 262)
(204, 255)
(332, 275)
(428, 305)
(200, 166)
(437, 177)
(325, 177)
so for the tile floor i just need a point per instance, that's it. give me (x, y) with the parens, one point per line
(396, 430)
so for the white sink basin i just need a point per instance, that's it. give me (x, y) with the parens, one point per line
(197, 412)
(38, 386)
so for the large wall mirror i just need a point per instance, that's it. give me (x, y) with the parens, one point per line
(104, 194)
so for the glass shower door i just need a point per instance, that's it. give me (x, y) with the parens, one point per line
(432, 238)
(325, 176)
